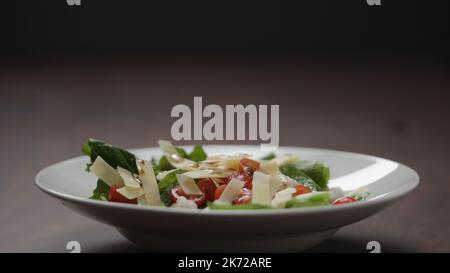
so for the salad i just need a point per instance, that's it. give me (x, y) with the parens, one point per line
(195, 180)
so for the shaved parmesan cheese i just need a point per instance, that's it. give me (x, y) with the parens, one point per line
(163, 174)
(167, 147)
(106, 173)
(286, 180)
(149, 183)
(230, 192)
(286, 159)
(261, 188)
(182, 163)
(128, 179)
(271, 168)
(183, 202)
(336, 192)
(226, 161)
(174, 159)
(188, 185)
(275, 184)
(208, 174)
(130, 193)
(282, 197)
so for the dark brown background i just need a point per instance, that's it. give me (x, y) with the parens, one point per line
(346, 76)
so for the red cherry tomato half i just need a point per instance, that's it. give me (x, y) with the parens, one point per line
(208, 187)
(300, 189)
(245, 196)
(344, 200)
(248, 166)
(115, 196)
(219, 191)
(177, 192)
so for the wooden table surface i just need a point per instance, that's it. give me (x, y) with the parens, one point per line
(395, 110)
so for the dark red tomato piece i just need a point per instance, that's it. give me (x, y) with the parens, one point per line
(222, 181)
(115, 196)
(245, 196)
(248, 166)
(208, 187)
(300, 189)
(219, 191)
(177, 192)
(344, 200)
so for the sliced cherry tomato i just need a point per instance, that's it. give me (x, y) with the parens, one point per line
(344, 200)
(177, 192)
(208, 187)
(300, 189)
(245, 196)
(115, 196)
(248, 166)
(219, 191)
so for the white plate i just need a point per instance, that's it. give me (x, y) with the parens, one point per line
(168, 229)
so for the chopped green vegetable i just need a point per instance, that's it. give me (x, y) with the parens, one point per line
(269, 156)
(300, 176)
(164, 164)
(165, 197)
(317, 171)
(197, 154)
(181, 152)
(309, 200)
(238, 206)
(166, 184)
(360, 196)
(101, 191)
(112, 155)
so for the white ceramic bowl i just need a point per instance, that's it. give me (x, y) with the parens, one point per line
(169, 229)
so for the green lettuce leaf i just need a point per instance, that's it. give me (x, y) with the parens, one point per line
(101, 191)
(112, 155)
(166, 184)
(198, 154)
(317, 171)
(314, 200)
(300, 176)
(181, 152)
(269, 156)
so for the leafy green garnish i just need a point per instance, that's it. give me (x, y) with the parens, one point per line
(181, 152)
(162, 165)
(360, 196)
(313, 174)
(269, 156)
(317, 199)
(238, 206)
(197, 154)
(316, 170)
(166, 184)
(101, 191)
(112, 155)
(300, 176)
(165, 198)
